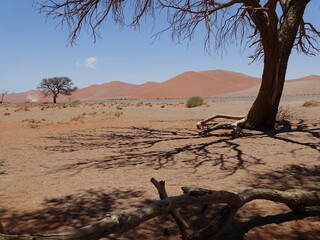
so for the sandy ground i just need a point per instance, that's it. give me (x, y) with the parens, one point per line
(66, 166)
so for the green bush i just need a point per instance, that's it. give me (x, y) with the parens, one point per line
(75, 103)
(194, 102)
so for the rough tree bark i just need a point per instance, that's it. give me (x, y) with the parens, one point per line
(296, 200)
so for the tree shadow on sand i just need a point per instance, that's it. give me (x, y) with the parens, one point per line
(152, 148)
(240, 230)
(71, 211)
(160, 148)
(312, 133)
(77, 210)
(293, 177)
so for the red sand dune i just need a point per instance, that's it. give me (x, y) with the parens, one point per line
(185, 85)
(113, 89)
(309, 85)
(204, 84)
(29, 96)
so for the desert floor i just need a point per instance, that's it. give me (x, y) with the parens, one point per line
(67, 165)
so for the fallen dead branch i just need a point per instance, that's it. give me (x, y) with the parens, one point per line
(208, 124)
(296, 200)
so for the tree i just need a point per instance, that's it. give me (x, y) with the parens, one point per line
(275, 27)
(55, 86)
(3, 93)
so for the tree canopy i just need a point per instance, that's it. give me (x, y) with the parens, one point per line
(223, 20)
(57, 85)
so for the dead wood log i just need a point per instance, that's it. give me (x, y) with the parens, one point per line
(208, 124)
(294, 199)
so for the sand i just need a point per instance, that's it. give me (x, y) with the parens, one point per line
(66, 166)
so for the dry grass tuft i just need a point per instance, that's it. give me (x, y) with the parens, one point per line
(22, 109)
(118, 114)
(311, 103)
(284, 115)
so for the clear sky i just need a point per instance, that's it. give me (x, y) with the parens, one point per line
(33, 48)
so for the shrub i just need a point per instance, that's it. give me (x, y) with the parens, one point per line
(32, 123)
(118, 114)
(194, 102)
(78, 118)
(75, 103)
(283, 115)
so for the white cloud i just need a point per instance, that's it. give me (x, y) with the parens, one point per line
(91, 62)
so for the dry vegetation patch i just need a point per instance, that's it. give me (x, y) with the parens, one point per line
(311, 103)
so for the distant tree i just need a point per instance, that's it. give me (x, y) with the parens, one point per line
(3, 93)
(275, 27)
(55, 86)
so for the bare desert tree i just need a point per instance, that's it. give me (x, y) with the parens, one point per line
(3, 93)
(55, 86)
(274, 27)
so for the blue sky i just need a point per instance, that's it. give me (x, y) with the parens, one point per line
(33, 48)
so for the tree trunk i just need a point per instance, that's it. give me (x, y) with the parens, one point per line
(264, 109)
(277, 46)
(55, 98)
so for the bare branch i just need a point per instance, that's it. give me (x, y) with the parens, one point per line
(78, 14)
(307, 39)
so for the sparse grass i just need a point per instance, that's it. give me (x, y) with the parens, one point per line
(118, 114)
(91, 114)
(284, 115)
(194, 102)
(139, 104)
(78, 118)
(7, 114)
(33, 123)
(22, 109)
(311, 103)
(75, 103)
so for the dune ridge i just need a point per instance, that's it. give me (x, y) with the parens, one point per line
(188, 84)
